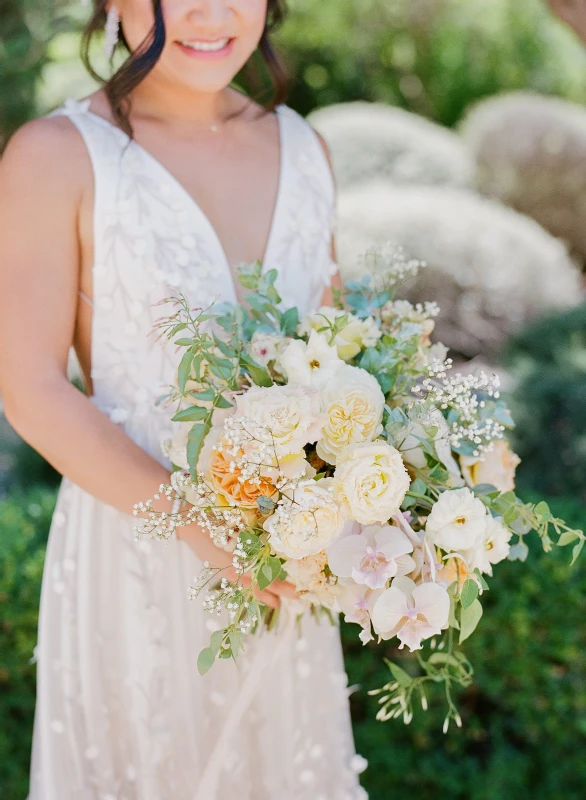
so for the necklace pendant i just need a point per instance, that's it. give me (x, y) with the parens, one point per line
(214, 128)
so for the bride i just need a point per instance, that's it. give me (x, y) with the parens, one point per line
(164, 180)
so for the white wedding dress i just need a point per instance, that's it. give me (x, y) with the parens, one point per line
(122, 712)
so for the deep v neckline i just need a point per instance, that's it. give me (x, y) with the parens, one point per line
(195, 206)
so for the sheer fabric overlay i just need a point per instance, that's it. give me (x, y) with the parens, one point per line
(122, 712)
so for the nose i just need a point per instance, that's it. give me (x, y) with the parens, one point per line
(209, 11)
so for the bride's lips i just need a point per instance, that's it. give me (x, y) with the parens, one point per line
(207, 55)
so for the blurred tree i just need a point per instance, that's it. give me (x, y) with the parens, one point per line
(26, 28)
(434, 57)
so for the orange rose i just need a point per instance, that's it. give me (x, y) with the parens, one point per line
(226, 481)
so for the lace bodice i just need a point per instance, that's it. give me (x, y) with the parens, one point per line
(152, 239)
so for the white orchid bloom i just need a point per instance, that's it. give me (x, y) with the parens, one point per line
(372, 557)
(356, 603)
(411, 613)
(311, 364)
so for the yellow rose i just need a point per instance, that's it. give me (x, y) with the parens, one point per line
(497, 467)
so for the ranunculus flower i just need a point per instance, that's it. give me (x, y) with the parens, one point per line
(411, 613)
(355, 335)
(310, 364)
(370, 482)
(492, 548)
(307, 522)
(289, 413)
(352, 404)
(457, 521)
(497, 467)
(373, 556)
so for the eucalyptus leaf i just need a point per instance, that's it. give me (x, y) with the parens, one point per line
(518, 552)
(469, 593)
(205, 660)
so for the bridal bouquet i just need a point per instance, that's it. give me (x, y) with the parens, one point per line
(337, 451)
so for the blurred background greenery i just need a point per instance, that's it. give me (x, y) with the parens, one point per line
(468, 147)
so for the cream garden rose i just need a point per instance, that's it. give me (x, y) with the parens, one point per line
(288, 415)
(352, 404)
(497, 467)
(356, 334)
(370, 482)
(306, 522)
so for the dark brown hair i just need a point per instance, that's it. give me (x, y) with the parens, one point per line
(139, 63)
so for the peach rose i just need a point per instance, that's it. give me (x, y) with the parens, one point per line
(497, 468)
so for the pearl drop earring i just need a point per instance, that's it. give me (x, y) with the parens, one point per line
(112, 30)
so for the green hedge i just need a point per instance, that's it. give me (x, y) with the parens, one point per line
(548, 361)
(524, 719)
(24, 522)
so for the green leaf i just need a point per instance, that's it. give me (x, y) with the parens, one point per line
(216, 640)
(469, 619)
(184, 342)
(259, 375)
(290, 321)
(223, 348)
(418, 487)
(205, 660)
(469, 593)
(221, 402)
(184, 369)
(443, 658)
(402, 677)
(204, 395)
(567, 538)
(577, 550)
(195, 441)
(191, 414)
(542, 511)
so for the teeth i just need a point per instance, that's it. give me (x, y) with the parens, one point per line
(218, 45)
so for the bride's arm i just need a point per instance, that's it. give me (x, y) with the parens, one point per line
(336, 282)
(43, 176)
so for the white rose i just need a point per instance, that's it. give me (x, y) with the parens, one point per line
(492, 548)
(290, 414)
(356, 334)
(307, 522)
(457, 521)
(370, 482)
(352, 404)
(310, 364)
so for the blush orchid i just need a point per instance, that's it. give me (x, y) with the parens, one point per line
(373, 556)
(411, 613)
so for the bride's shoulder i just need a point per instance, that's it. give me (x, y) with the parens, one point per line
(304, 124)
(50, 150)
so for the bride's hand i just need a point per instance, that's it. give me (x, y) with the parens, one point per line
(206, 550)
